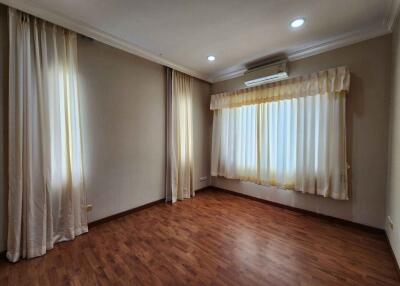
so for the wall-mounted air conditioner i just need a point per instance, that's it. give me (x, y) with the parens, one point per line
(266, 73)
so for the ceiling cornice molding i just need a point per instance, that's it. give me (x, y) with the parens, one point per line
(337, 43)
(101, 36)
(225, 75)
(319, 48)
(392, 12)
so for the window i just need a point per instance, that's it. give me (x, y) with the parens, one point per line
(289, 141)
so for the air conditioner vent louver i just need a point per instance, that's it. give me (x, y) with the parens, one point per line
(266, 74)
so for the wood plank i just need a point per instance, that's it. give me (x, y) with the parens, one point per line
(215, 238)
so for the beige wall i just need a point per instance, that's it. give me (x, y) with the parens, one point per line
(123, 116)
(123, 104)
(202, 123)
(393, 195)
(3, 123)
(367, 114)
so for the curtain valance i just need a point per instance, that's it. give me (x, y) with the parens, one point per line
(335, 80)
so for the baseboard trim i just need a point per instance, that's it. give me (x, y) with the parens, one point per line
(212, 188)
(393, 255)
(124, 213)
(306, 212)
(130, 211)
(203, 189)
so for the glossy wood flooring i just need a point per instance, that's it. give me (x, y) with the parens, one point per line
(213, 239)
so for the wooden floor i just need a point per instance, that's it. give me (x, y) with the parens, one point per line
(213, 239)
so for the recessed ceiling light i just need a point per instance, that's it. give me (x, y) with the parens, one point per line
(297, 23)
(211, 58)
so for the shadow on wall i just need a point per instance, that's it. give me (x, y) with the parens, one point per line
(354, 108)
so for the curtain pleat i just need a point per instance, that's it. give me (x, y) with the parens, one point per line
(327, 81)
(296, 143)
(179, 177)
(46, 192)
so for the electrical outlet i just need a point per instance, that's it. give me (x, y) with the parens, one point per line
(89, 207)
(390, 222)
(202, 179)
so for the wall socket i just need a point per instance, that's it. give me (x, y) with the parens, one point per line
(202, 179)
(89, 207)
(390, 222)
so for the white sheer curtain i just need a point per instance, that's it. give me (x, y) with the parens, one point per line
(179, 177)
(46, 194)
(290, 134)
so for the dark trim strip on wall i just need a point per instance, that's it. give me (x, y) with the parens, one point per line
(306, 212)
(130, 211)
(124, 213)
(275, 204)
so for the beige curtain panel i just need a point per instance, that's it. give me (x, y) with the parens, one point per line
(179, 179)
(291, 134)
(46, 194)
(328, 81)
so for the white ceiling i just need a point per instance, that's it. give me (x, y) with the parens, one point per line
(182, 33)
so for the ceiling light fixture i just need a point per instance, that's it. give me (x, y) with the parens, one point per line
(211, 58)
(297, 23)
